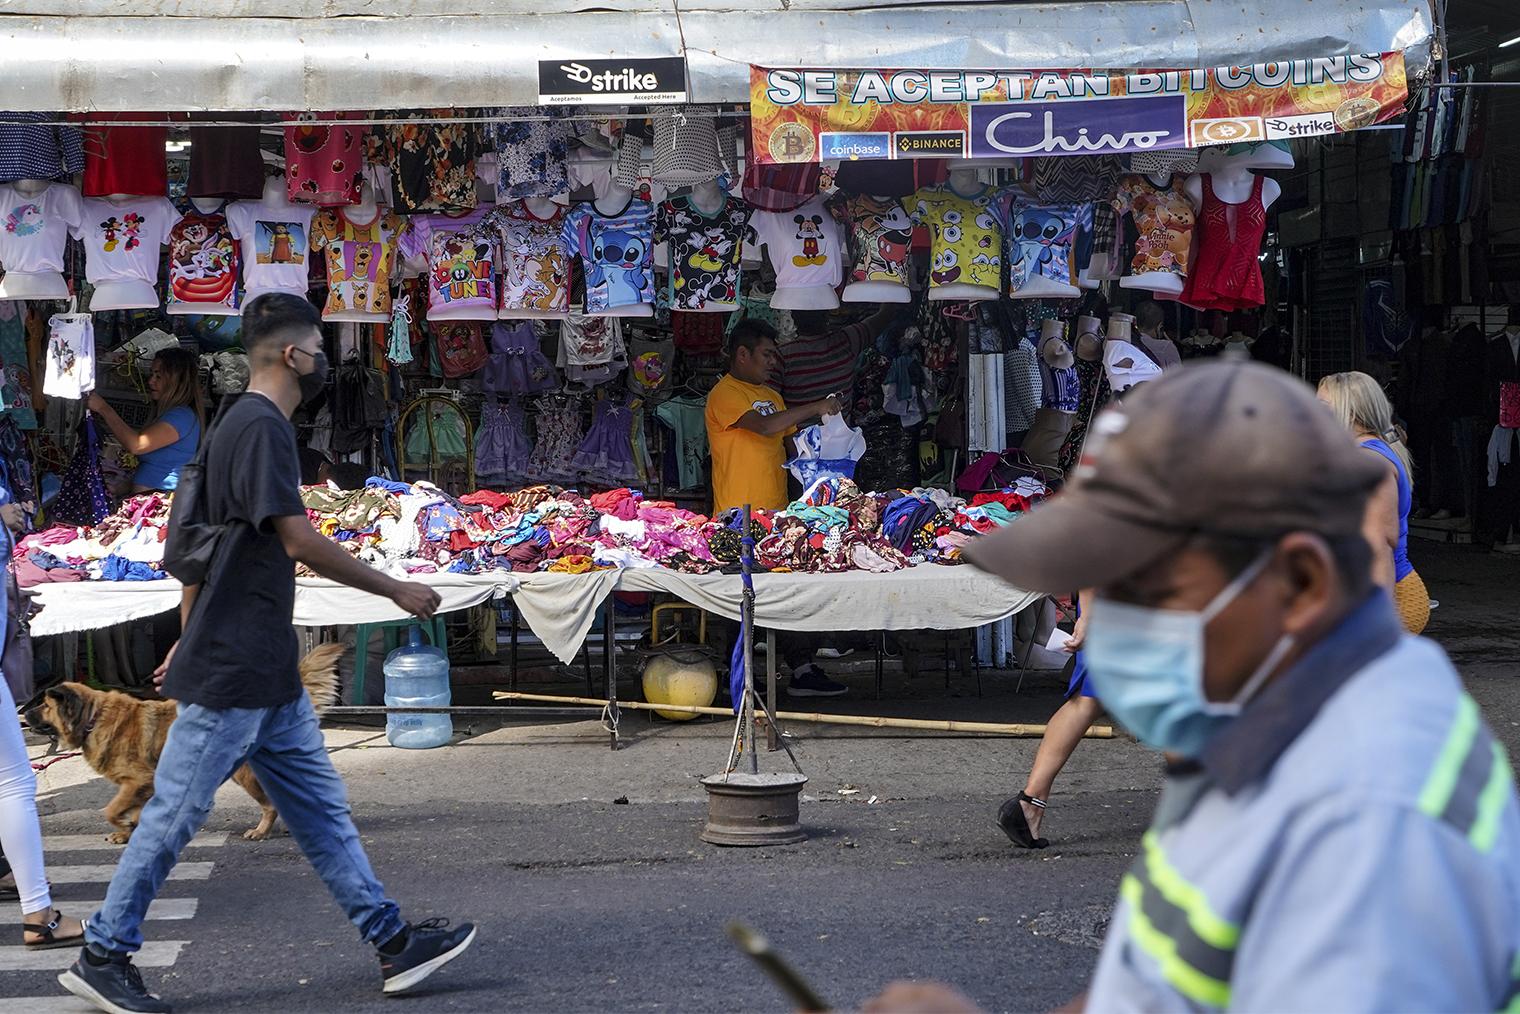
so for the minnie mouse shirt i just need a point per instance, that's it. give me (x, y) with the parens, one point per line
(616, 252)
(121, 241)
(705, 249)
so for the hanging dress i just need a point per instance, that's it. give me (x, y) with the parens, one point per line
(558, 424)
(502, 450)
(1226, 274)
(605, 457)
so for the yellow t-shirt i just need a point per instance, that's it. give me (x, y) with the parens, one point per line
(747, 468)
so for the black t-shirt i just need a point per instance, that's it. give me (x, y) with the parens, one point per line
(239, 649)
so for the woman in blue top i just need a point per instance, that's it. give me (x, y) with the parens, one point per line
(167, 443)
(1363, 408)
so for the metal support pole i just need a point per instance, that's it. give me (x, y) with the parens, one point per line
(772, 734)
(609, 657)
(748, 629)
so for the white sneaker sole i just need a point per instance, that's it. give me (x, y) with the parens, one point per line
(74, 984)
(791, 692)
(406, 980)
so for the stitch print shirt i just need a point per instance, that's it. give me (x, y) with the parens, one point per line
(1041, 238)
(966, 241)
(535, 270)
(704, 251)
(617, 254)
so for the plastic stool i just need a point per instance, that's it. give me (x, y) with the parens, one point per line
(433, 630)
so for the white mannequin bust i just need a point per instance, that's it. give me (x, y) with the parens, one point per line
(963, 182)
(207, 205)
(613, 203)
(1165, 282)
(1232, 181)
(274, 193)
(122, 293)
(1121, 326)
(40, 284)
(542, 208)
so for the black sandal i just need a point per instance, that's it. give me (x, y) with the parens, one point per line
(46, 930)
(1011, 821)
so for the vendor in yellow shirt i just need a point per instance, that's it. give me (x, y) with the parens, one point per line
(748, 429)
(748, 425)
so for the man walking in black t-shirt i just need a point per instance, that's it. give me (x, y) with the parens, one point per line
(234, 674)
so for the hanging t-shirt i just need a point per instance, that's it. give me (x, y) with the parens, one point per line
(1041, 240)
(705, 250)
(276, 243)
(324, 160)
(881, 237)
(125, 160)
(1164, 218)
(203, 265)
(121, 241)
(965, 239)
(69, 370)
(16, 385)
(684, 417)
(361, 259)
(34, 228)
(225, 162)
(531, 152)
(461, 257)
(432, 164)
(535, 270)
(806, 249)
(591, 341)
(616, 252)
(31, 149)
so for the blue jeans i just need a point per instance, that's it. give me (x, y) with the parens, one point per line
(285, 749)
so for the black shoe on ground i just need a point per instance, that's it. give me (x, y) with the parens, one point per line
(809, 681)
(429, 946)
(115, 986)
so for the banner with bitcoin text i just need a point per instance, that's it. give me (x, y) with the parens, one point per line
(809, 115)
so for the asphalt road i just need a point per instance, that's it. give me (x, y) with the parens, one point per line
(587, 904)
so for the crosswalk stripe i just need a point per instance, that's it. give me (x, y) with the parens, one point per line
(44, 1005)
(97, 842)
(159, 908)
(154, 954)
(100, 873)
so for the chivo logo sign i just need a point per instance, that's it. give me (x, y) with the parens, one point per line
(1078, 127)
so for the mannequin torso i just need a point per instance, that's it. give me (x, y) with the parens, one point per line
(37, 217)
(963, 183)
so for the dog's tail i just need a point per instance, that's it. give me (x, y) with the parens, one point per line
(319, 674)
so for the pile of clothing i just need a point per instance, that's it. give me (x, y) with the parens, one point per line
(127, 546)
(417, 528)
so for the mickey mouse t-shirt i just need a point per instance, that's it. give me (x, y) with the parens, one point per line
(806, 248)
(461, 256)
(616, 252)
(121, 240)
(705, 249)
(882, 236)
(965, 240)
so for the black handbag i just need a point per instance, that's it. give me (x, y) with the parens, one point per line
(190, 545)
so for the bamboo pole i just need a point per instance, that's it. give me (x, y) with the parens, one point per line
(873, 721)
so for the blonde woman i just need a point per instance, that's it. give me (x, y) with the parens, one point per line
(168, 443)
(1363, 408)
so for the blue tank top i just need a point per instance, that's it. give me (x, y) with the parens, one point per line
(160, 469)
(1402, 568)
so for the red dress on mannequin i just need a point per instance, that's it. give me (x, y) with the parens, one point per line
(1226, 274)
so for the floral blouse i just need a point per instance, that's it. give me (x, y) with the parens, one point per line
(432, 164)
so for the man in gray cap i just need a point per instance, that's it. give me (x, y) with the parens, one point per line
(1339, 829)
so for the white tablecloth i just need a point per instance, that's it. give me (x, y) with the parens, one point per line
(561, 608)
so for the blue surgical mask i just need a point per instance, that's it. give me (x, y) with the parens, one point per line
(1147, 668)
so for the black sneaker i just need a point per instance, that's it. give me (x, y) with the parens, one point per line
(430, 945)
(115, 986)
(809, 681)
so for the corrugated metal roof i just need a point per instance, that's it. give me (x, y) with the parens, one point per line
(161, 55)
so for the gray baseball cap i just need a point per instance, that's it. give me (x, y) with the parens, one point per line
(1226, 448)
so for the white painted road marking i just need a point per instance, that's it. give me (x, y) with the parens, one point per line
(160, 908)
(154, 954)
(93, 842)
(100, 873)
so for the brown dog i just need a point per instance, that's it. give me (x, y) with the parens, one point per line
(121, 738)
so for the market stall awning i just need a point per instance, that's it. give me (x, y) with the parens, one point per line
(172, 55)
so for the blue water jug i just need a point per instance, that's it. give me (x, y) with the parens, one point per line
(416, 676)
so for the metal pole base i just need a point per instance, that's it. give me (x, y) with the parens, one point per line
(753, 809)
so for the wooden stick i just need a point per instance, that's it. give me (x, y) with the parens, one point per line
(874, 721)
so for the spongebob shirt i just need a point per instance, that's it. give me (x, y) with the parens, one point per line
(361, 260)
(966, 241)
(881, 234)
(1164, 219)
(616, 252)
(806, 247)
(276, 244)
(34, 228)
(704, 252)
(461, 262)
(535, 269)
(203, 265)
(1041, 239)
